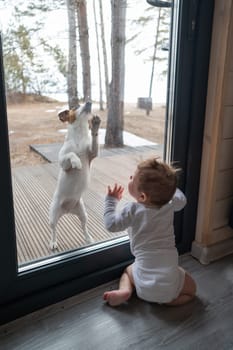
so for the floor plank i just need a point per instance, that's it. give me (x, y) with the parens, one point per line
(86, 322)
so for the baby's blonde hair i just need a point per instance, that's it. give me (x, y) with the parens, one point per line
(158, 180)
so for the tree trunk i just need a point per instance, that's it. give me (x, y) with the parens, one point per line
(154, 57)
(84, 48)
(115, 120)
(98, 56)
(104, 53)
(72, 60)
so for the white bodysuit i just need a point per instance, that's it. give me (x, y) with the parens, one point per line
(157, 276)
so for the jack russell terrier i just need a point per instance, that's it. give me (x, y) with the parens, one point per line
(75, 159)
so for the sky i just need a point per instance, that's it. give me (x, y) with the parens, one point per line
(137, 68)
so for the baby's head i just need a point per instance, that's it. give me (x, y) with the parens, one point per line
(154, 182)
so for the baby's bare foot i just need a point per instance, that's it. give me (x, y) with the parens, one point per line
(116, 297)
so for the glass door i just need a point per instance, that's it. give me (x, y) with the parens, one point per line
(37, 84)
(37, 57)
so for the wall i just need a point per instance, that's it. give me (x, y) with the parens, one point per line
(214, 237)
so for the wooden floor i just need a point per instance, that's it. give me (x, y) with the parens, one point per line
(85, 322)
(34, 186)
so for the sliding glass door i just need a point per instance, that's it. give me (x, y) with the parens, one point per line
(163, 113)
(37, 58)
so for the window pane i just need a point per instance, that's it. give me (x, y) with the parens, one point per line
(38, 74)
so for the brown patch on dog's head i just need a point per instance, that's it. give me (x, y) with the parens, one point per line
(67, 116)
(72, 116)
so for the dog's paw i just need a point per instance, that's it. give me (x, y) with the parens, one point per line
(89, 239)
(76, 164)
(53, 245)
(95, 123)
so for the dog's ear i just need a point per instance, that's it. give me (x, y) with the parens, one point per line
(67, 115)
(63, 115)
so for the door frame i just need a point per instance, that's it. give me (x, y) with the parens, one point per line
(186, 111)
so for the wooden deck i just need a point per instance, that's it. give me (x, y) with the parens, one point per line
(33, 187)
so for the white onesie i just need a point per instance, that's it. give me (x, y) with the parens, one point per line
(157, 276)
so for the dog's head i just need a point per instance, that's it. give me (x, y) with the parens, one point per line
(71, 115)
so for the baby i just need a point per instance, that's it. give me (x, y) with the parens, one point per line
(155, 273)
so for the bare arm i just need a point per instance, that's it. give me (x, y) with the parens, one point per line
(114, 220)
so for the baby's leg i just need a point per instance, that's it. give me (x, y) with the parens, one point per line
(126, 288)
(187, 293)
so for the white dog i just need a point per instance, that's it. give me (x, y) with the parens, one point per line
(75, 159)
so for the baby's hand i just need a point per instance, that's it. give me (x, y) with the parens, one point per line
(116, 192)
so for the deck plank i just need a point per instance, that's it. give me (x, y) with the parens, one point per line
(33, 188)
(50, 151)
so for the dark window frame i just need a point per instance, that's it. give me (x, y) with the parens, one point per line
(189, 108)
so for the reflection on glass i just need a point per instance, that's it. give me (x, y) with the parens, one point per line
(52, 62)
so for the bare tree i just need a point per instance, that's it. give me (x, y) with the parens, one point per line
(104, 52)
(84, 47)
(115, 119)
(154, 57)
(159, 46)
(72, 78)
(98, 56)
(155, 51)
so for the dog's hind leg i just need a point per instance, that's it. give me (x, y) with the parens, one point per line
(53, 243)
(80, 211)
(55, 213)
